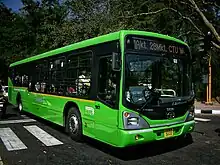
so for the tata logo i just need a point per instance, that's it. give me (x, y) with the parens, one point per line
(170, 115)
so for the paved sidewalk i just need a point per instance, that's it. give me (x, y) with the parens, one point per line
(211, 109)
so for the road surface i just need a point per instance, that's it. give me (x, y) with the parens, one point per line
(27, 140)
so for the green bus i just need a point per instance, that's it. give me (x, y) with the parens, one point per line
(124, 88)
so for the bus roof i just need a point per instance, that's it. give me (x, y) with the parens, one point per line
(94, 41)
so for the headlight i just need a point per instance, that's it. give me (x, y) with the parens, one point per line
(191, 113)
(134, 121)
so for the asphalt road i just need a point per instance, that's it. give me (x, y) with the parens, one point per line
(54, 147)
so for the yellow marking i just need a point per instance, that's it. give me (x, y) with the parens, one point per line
(18, 87)
(64, 97)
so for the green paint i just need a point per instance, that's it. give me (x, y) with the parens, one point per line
(104, 124)
(95, 41)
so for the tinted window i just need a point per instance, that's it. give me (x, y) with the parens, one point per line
(57, 76)
(79, 74)
(108, 81)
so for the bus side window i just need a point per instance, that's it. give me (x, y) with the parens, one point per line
(24, 79)
(56, 76)
(70, 82)
(107, 81)
(79, 75)
(83, 83)
(37, 78)
(17, 77)
(12, 75)
(43, 77)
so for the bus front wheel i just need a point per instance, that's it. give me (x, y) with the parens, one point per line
(74, 124)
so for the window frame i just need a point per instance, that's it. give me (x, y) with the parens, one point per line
(118, 80)
(88, 53)
(96, 52)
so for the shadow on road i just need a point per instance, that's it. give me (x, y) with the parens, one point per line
(7, 116)
(218, 131)
(144, 150)
(129, 153)
(46, 122)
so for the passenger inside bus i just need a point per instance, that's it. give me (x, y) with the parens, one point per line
(83, 83)
(111, 87)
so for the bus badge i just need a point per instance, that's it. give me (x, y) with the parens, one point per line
(170, 115)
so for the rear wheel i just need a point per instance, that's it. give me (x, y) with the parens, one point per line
(20, 105)
(74, 124)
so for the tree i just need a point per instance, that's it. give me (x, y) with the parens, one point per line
(48, 24)
(189, 13)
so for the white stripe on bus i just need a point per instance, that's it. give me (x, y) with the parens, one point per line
(10, 140)
(17, 121)
(43, 136)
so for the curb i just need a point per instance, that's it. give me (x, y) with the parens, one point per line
(198, 111)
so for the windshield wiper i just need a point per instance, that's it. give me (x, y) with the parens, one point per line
(153, 96)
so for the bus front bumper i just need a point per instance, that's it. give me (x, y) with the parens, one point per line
(134, 137)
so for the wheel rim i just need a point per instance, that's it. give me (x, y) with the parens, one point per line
(73, 124)
(20, 106)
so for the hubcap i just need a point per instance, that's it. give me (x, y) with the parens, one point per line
(20, 106)
(73, 124)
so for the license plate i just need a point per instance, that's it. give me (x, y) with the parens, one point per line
(168, 132)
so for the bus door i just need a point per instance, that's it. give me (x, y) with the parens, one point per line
(106, 113)
(106, 121)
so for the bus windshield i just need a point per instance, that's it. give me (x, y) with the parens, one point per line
(166, 74)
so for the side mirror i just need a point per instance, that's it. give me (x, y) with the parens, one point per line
(116, 62)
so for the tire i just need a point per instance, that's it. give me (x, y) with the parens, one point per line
(20, 105)
(74, 124)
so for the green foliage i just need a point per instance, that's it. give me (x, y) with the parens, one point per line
(48, 24)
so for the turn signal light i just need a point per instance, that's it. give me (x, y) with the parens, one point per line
(126, 114)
